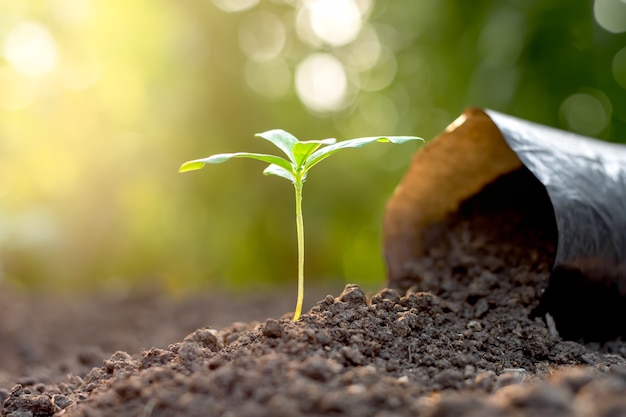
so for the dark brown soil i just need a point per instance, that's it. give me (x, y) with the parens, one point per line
(455, 339)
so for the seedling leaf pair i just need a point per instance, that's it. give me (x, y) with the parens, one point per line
(301, 157)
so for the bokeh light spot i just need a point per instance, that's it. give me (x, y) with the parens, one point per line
(262, 36)
(335, 22)
(382, 74)
(270, 79)
(321, 83)
(30, 49)
(364, 52)
(611, 14)
(35, 227)
(235, 5)
(73, 12)
(619, 67)
(587, 113)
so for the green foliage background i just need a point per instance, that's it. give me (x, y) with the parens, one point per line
(90, 144)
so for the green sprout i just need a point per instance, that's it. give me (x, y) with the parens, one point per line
(301, 157)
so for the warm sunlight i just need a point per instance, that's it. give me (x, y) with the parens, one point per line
(30, 49)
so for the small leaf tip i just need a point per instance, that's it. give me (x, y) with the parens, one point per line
(190, 166)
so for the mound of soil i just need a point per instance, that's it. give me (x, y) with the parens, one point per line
(394, 355)
(456, 338)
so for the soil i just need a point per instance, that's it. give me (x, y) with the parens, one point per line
(463, 334)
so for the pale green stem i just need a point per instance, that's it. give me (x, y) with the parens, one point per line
(300, 232)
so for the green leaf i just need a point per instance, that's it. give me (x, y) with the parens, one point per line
(282, 139)
(191, 166)
(302, 150)
(223, 157)
(324, 153)
(279, 172)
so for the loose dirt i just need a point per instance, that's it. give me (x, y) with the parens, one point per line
(455, 337)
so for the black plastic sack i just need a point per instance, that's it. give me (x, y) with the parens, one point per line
(585, 180)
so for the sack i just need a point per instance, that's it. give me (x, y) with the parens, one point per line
(583, 178)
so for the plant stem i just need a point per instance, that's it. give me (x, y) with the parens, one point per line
(300, 232)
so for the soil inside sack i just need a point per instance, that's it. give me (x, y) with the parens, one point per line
(498, 248)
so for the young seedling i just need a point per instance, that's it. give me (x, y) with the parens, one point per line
(301, 157)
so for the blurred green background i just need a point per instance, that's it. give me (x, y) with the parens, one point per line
(101, 101)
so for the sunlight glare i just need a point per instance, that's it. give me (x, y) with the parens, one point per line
(30, 49)
(262, 36)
